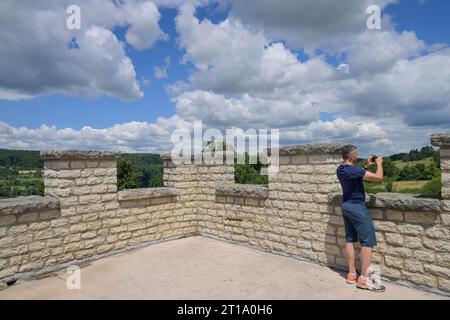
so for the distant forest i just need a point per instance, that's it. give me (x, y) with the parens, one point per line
(139, 170)
(20, 159)
(417, 155)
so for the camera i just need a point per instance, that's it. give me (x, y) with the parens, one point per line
(372, 159)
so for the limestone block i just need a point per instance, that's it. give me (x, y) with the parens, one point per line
(394, 239)
(422, 279)
(413, 242)
(438, 232)
(437, 270)
(426, 256)
(414, 266)
(17, 229)
(88, 235)
(424, 218)
(443, 259)
(410, 229)
(401, 252)
(385, 226)
(444, 284)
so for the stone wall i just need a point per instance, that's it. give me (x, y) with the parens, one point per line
(196, 185)
(84, 217)
(298, 214)
(289, 216)
(413, 242)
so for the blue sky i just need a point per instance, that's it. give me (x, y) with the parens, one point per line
(429, 19)
(62, 107)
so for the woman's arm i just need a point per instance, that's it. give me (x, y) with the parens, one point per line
(378, 175)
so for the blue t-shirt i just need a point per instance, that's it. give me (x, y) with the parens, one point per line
(351, 179)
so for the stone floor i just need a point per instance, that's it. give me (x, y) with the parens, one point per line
(203, 268)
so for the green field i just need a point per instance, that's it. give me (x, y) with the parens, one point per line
(401, 186)
(14, 184)
(401, 164)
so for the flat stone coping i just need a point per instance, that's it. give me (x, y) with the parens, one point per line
(168, 156)
(26, 204)
(398, 201)
(243, 190)
(77, 155)
(146, 193)
(316, 148)
(440, 139)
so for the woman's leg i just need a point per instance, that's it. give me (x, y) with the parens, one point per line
(366, 257)
(350, 253)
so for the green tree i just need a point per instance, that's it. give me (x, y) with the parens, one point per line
(151, 177)
(126, 178)
(432, 170)
(417, 172)
(247, 173)
(389, 168)
(415, 154)
(409, 173)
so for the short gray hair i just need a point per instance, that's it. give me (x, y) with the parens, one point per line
(346, 150)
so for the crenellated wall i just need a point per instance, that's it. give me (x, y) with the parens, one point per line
(83, 217)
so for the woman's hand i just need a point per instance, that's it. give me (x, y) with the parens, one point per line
(379, 161)
(369, 163)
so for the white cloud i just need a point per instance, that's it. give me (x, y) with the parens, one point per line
(372, 52)
(231, 59)
(161, 72)
(36, 60)
(243, 78)
(177, 88)
(377, 136)
(13, 95)
(245, 111)
(144, 30)
(305, 23)
(128, 137)
(413, 90)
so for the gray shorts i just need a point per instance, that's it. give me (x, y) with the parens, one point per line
(358, 224)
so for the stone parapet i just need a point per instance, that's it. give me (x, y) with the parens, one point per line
(146, 197)
(319, 148)
(27, 210)
(251, 195)
(146, 193)
(77, 155)
(398, 201)
(218, 158)
(308, 153)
